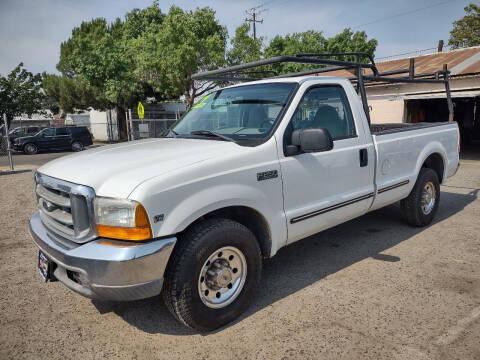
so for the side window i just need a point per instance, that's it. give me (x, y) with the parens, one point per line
(49, 132)
(32, 130)
(62, 131)
(325, 107)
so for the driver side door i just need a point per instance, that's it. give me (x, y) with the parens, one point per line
(323, 189)
(46, 139)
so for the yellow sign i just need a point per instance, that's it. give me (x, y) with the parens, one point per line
(140, 110)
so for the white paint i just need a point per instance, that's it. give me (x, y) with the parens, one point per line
(188, 178)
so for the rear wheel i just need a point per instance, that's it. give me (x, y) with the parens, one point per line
(213, 274)
(77, 146)
(30, 149)
(420, 207)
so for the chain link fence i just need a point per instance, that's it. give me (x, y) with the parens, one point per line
(152, 128)
(154, 124)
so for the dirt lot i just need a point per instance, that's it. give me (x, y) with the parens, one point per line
(371, 288)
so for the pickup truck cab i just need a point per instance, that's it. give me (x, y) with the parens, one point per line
(249, 169)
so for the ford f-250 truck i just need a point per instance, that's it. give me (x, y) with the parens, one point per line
(249, 169)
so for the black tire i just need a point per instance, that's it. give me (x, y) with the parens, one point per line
(411, 207)
(77, 146)
(30, 149)
(194, 247)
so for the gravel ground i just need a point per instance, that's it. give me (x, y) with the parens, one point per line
(371, 288)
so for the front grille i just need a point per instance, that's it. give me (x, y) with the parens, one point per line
(66, 209)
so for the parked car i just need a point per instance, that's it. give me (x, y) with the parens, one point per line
(23, 131)
(60, 138)
(248, 170)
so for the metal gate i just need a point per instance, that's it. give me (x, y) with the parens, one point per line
(155, 123)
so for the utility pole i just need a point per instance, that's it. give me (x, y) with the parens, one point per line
(252, 17)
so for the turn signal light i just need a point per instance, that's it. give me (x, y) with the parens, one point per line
(141, 231)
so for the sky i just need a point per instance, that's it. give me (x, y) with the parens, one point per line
(31, 31)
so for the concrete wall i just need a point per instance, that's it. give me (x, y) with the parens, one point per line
(386, 111)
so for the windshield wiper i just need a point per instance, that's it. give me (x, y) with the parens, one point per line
(211, 134)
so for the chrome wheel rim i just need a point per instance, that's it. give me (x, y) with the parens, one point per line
(428, 198)
(222, 277)
(77, 146)
(30, 148)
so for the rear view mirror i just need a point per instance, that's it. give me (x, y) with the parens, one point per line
(310, 140)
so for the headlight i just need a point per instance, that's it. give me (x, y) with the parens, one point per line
(121, 219)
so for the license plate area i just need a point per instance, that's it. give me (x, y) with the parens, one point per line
(44, 266)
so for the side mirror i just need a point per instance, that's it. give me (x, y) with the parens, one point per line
(310, 140)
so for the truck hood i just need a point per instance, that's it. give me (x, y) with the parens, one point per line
(115, 170)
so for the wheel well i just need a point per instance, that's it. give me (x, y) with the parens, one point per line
(249, 218)
(435, 162)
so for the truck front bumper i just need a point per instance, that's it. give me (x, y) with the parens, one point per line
(104, 269)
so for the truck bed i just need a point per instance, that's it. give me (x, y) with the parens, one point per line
(389, 128)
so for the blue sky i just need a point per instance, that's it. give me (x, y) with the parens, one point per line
(31, 30)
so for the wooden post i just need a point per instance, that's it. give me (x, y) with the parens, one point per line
(411, 69)
(440, 46)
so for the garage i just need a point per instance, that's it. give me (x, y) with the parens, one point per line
(434, 109)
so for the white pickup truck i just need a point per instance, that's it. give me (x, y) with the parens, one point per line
(249, 169)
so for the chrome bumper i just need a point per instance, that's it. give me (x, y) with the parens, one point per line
(104, 269)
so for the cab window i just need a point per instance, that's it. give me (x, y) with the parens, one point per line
(325, 107)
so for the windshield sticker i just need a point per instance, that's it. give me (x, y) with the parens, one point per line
(201, 103)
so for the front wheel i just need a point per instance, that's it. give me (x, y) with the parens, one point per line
(30, 149)
(420, 207)
(213, 274)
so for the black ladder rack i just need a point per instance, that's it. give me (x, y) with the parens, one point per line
(363, 61)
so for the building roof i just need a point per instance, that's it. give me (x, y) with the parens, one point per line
(460, 62)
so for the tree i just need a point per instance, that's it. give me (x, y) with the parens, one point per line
(70, 94)
(20, 93)
(243, 47)
(292, 44)
(98, 63)
(187, 42)
(314, 42)
(466, 31)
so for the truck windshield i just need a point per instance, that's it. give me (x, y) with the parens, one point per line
(244, 112)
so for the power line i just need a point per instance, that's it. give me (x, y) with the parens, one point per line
(404, 13)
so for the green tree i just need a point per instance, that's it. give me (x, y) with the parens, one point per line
(292, 44)
(243, 47)
(20, 93)
(70, 94)
(466, 31)
(187, 42)
(98, 62)
(314, 42)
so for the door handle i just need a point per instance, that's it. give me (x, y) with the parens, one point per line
(363, 157)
